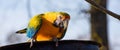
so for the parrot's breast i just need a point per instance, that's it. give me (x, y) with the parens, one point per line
(47, 30)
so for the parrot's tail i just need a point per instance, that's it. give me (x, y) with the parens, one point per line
(21, 31)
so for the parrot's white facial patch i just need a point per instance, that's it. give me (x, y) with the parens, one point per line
(58, 22)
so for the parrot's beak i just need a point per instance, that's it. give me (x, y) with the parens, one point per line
(58, 23)
(61, 23)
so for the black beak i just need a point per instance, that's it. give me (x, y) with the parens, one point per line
(61, 24)
(58, 23)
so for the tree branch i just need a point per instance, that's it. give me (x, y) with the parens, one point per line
(103, 9)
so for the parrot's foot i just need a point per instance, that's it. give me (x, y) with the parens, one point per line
(31, 44)
(56, 41)
(31, 40)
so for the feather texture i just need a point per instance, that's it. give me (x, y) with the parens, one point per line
(34, 25)
(41, 26)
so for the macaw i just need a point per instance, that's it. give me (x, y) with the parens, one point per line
(49, 26)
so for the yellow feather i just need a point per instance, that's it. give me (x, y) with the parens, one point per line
(47, 30)
(34, 21)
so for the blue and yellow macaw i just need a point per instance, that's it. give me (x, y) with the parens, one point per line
(49, 26)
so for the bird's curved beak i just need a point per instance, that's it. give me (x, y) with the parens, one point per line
(61, 23)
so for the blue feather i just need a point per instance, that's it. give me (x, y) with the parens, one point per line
(31, 30)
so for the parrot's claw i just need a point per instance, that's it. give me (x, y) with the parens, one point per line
(31, 44)
(56, 41)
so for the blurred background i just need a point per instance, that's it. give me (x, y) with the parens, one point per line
(15, 15)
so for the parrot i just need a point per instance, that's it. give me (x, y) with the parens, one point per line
(48, 26)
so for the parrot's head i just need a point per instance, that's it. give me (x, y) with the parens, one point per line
(62, 20)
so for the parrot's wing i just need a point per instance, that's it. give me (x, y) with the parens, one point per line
(34, 25)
